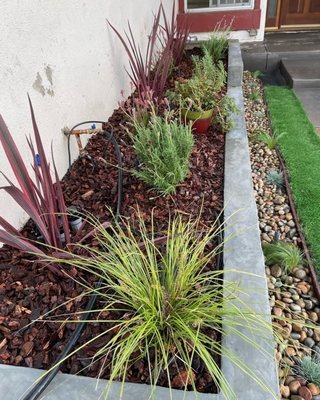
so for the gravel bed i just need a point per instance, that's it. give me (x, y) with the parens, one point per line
(291, 294)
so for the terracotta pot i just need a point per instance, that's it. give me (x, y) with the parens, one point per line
(201, 120)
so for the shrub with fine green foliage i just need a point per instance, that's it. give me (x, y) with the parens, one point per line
(199, 92)
(163, 148)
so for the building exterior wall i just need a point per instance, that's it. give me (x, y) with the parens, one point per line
(247, 24)
(63, 54)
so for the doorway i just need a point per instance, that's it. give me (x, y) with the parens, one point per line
(292, 14)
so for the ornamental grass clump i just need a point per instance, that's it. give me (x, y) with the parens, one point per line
(217, 44)
(164, 303)
(163, 148)
(285, 254)
(270, 139)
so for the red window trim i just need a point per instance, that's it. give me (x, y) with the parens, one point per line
(206, 21)
(256, 6)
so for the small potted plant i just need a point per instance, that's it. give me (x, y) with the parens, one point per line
(197, 97)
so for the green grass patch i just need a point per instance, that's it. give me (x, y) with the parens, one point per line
(300, 148)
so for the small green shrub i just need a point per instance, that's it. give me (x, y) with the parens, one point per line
(256, 74)
(271, 140)
(254, 95)
(275, 178)
(285, 254)
(217, 45)
(199, 93)
(309, 369)
(224, 108)
(163, 147)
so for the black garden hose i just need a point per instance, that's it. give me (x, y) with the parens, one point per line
(39, 387)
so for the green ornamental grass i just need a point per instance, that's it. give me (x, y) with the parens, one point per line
(217, 44)
(285, 254)
(164, 302)
(163, 148)
(270, 139)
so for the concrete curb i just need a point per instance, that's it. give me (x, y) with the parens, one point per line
(243, 252)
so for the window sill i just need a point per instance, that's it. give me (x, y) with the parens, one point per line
(217, 9)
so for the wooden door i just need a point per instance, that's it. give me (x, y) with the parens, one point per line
(300, 12)
(273, 14)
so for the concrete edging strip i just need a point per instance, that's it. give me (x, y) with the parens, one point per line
(242, 251)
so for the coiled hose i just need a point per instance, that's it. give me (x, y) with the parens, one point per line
(39, 387)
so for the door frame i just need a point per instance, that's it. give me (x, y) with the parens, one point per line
(279, 27)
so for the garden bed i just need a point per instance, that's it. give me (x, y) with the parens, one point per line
(291, 293)
(27, 292)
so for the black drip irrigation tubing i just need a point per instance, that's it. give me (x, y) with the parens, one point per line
(39, 387)
(295, 216)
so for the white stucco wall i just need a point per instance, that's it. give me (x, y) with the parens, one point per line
(63, 54)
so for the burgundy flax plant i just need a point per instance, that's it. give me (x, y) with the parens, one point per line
(174, 35)
(40, 197)
(149, 71)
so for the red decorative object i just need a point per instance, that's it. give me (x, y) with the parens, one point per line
(201, 126)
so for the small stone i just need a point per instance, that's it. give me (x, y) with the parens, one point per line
(303, 336)
(300, 273)
(313, 316)
(290, 351)
(279, 200)
(288, 216)
(295, 307)
(277, 311)
(309, 342)
(295, 397)
(296, 327)
(285, 391)
(276, 271)
(305, 393)
(289, 379)
(314, 389)
(266, 238)
(308, 305)
(294, 387)
(295, 336)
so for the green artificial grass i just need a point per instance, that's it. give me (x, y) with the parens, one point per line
(300, 148)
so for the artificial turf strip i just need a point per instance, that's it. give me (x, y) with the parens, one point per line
(300, 148)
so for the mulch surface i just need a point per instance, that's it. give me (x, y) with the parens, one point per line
(28, 291)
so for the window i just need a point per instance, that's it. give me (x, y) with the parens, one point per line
(215, 4)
